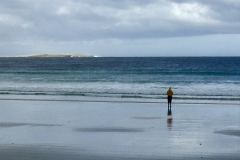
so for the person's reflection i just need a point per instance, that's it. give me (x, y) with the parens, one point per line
(169, 120)
(169, 111)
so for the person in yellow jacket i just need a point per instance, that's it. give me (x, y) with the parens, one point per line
(169, 94)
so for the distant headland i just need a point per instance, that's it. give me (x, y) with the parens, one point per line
(57, 55)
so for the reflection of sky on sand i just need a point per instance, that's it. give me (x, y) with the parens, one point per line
(122, 129)
(196, 130)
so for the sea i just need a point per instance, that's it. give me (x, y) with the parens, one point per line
(198, 80)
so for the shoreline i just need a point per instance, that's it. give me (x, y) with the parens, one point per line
(105, 131)
(123, 101)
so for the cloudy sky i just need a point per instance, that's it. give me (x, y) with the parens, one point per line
(120, 27)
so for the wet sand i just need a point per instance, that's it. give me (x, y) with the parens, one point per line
(98, 130)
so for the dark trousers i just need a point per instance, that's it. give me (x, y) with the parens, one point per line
(169, 101)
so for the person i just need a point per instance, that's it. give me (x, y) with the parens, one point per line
(169, 94)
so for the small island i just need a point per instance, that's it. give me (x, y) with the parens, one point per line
(57, 55)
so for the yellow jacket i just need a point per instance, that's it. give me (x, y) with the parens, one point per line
(169, 92)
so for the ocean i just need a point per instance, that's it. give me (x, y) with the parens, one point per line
(121, 79)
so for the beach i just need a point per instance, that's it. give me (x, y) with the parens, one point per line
(112, 130)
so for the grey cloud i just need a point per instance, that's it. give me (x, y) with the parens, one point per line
(118, 4)
(227, 10)
(61, 20)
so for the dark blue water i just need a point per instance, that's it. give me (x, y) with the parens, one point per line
(193, 79)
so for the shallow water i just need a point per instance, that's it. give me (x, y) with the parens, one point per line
(193, 79)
